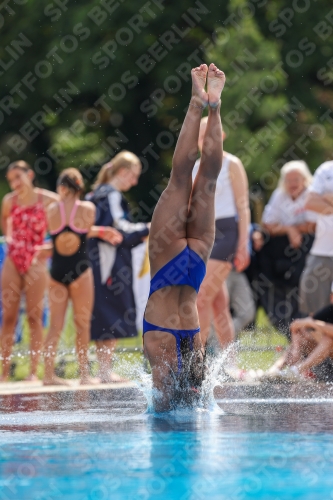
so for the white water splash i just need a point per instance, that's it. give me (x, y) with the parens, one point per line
(215, 375)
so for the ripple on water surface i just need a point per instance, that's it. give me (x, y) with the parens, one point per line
(260, 442)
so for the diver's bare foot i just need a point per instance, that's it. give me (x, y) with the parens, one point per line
(3, 380)
(215, 84)
(113, 378)
(56, 381)
(90, 381)
(199, 95)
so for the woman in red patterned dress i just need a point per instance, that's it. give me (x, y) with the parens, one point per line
(24, 224)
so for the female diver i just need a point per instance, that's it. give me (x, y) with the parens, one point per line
(181, 238)
(23, 221)
(71, 222)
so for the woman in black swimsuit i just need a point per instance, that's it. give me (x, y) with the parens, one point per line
(70, 222)
(181, 238)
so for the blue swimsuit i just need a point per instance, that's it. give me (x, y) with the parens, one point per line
(187, 268)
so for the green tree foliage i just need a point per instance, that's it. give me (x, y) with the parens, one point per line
(113, 75)
(303, 31)
(255, 111)
(79, 81)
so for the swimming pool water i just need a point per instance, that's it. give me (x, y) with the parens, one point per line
(104, 445)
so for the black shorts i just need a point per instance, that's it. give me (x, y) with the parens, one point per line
(226, 238)
(325, 314)
(324, 371)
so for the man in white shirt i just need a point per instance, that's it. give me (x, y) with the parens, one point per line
(317, 277)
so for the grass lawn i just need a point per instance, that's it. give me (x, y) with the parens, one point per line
(258, 349)
(261, 348)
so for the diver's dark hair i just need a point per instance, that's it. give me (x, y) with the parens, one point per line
(21, 164)
(72, 179)
(188, 390)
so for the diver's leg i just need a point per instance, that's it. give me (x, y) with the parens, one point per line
(12, 285)
(200, 230)
(201, 220)
(168, 227)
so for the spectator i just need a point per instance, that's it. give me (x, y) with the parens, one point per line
(230, 247)
(315, 286)
(114, 313)
(290, 228)
(311, 350)
(242, 305)
(245, 307)
(24, 224)
(257, 239)
(70, 222)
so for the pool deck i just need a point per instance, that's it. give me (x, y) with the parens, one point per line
(220, 391)
(26, 387)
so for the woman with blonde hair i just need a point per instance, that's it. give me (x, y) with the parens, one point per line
(70, 222)
(290, 228)
(285, 213)
(24, 225)
(114, 312)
